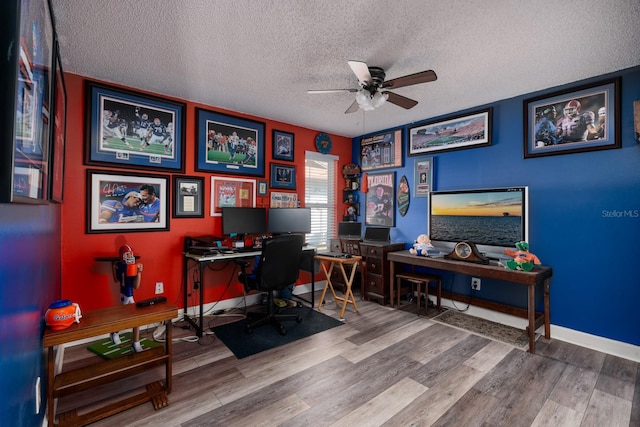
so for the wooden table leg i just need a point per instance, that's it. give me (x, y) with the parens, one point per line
(547, 320)
(349, 297)
(532, 319)
(328, 284)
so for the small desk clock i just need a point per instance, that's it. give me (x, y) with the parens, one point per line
(467, 251)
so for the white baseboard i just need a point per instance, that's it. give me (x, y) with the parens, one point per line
(594, 342)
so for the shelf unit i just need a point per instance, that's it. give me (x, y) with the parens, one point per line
(350, 194)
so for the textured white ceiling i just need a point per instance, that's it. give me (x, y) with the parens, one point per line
(260, 56)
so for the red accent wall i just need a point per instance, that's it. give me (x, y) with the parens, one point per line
(89, 282)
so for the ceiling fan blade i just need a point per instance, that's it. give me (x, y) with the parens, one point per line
(361, 70)
(353, 108)
(401, 101)
(331, 90)
(411, 79)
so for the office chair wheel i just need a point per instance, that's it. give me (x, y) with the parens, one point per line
(299, 305)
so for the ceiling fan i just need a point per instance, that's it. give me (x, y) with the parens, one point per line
(373, 91)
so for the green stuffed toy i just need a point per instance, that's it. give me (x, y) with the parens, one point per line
(522, 258)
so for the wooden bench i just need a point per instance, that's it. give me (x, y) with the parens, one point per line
(100, 322)
(417, 280)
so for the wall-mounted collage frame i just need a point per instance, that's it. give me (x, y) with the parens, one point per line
(28, 95)
(283, 146)
(188, 196)
(134, 130)
(381, 151)
(423, 176)
(283, 176)
(586, 118)
(229, 144)
(470, 130)
(231, 192)
(126, 202)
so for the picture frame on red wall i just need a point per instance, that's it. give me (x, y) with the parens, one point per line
(126, 202)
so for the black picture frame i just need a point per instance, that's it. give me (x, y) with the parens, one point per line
(283, 146)
(119, 134)
(549, 131)
(215, 152)
(27, 37)
(59, 140)
(459, 132)
(107, 199)
(382, 150)
(188, 196)
(283, 176)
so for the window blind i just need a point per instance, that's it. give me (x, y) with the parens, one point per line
(320, 183)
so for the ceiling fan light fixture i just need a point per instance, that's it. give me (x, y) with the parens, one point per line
(369, 102)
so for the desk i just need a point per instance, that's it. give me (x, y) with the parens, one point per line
(203, 261)
(348, 279)
(100, 322)
(538, 276)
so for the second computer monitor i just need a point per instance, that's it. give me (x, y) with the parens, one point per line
(289, 220)
(349, 229)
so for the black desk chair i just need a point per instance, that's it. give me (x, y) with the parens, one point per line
(278, 268)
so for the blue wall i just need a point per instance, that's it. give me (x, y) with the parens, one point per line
(596, 281)
(29, 281)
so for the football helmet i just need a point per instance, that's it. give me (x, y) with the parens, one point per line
(572, 108)
(126, 255)
(62, 314)
(131, 194)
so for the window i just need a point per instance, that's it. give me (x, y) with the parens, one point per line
(319, 196)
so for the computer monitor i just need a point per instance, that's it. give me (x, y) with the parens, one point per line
(289, 220)
(350, 229)
(377, 234)
(244, 221)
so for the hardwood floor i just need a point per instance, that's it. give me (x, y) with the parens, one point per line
(388, 367)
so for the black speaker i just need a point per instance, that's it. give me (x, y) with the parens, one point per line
(187, 244)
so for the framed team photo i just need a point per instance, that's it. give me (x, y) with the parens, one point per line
(380, 197)
(232, 193)
(283, 176)
(126, 202)
(282, 146)
(586, 118)
(135, 130)
(229, 144)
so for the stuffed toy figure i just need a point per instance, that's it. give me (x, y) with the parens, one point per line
(422, 246)
(522, 258)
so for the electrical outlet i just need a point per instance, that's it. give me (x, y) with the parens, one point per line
(159, 287)
(475, 283)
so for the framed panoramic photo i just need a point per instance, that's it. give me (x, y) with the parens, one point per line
(582, 119)
(469, 130)
(233, 193)
(283, 176)
(229, 144)
(381, 151)
(133, 130)
(58, 143)
(380, 200)
(282, 146)
(423, 176)
(283, 200)
(188, 196)
(126, 202)
(27, 99)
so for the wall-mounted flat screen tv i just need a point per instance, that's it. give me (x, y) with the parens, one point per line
(492, 218)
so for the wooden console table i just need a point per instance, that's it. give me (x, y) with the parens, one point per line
(538, 276)
(100, 322)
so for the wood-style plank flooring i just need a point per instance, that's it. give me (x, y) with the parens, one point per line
(387, 367)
